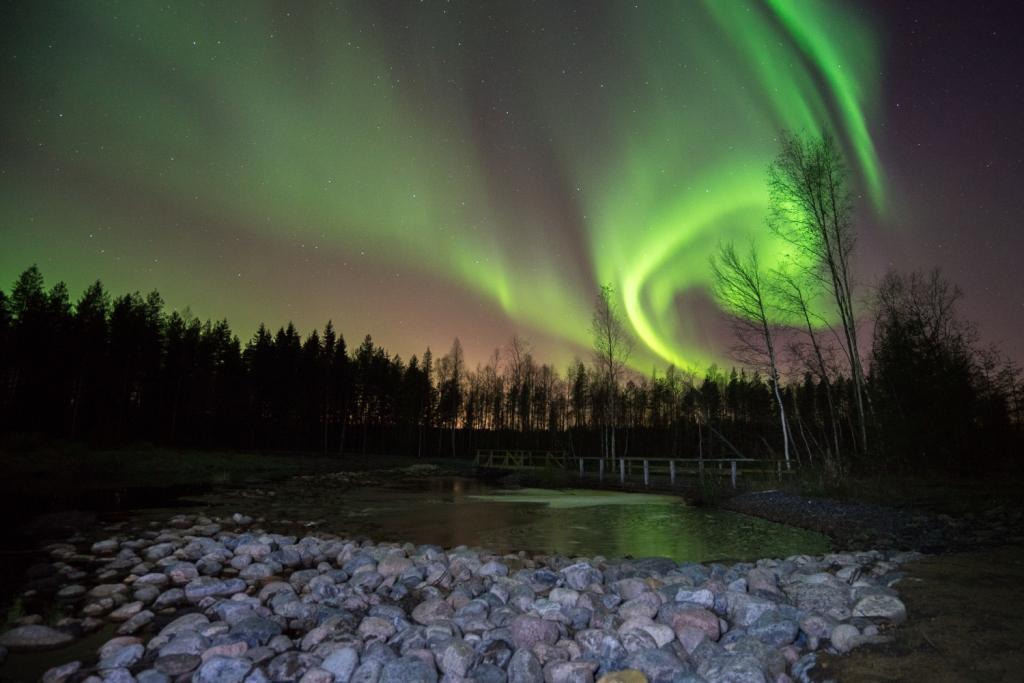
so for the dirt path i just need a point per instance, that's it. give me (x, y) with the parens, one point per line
(966, 623)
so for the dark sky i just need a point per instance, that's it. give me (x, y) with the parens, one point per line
(953, 88)
(421, 171)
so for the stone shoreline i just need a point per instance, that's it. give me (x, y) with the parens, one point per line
(221, 601)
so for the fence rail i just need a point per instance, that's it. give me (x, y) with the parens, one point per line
(628, 469)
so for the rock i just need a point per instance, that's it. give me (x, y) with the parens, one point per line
(566, 597)
(152, 676)
(376, 627)
(644, 605)
(630, 588)
(170, 598)
(146, 594)
(817, 625)
(125, 612)
(114, 644)
(59, 674)
(342, 662)
(570, 672)
(136, 623)
(457, 658)
(404, 669)
(732, 668)
(187, 643)
(602, 646)
(317, 675)
(771, 660)
(773, 628)
(825, 598)
(72, 592)
(488, 673)
(122, 658)
(527, 631)
(369, 672)
(744, 609)
(180, 573)
(211, 587)
(431, 612)
(256, 572)
(256, 631)
(34, 637)
(581, 575)
(393, 565)
(186, 622)
(177, 665)
(762, 580)
(696, 617)
(117, 676)
(107, 547)
(885, 607)
(660, 666)
(524, 667)
(152, 579)
(802, 668)
(235, 649)
(635, 640)
(700, 596)
(222, 670)
(624, 676)
(290, 666)
(845, 637)
(492, 569)
(690, 637)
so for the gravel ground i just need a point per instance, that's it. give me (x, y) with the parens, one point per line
(856, 526)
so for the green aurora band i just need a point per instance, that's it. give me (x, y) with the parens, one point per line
(313, 124)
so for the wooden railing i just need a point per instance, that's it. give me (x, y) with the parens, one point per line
(521, 459)
(627, 469)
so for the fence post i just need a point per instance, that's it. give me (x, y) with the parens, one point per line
(672, 472)
(779, 463)
(647, 474)
(622, 471)
(733, 463)
(700, 468)
(600, 469)
(581, 467)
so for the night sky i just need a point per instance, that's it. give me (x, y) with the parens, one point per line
(426, 170)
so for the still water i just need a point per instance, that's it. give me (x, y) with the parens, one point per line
(450, 511)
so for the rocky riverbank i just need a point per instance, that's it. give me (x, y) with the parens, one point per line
(221, 601)
(856, 525)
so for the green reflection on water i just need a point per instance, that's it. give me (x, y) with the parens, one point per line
(455, 511)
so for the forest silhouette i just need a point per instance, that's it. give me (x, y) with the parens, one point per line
(121, 370)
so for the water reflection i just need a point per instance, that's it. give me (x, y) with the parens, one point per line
(456, 511)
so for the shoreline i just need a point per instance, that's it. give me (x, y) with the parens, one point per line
(851, 525)
(218, 600)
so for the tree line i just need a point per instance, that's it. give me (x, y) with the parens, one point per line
(114, 370)
(119, 370)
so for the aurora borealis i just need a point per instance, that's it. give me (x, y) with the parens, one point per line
(427, 170)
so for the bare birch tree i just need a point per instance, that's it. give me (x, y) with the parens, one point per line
(613, 345)
(794, 294)
(810, 207)
(742, 288)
